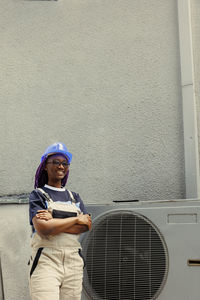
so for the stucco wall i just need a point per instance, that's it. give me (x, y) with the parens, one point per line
(103, 77)
(14, 252)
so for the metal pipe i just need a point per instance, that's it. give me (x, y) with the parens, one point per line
(188, 100)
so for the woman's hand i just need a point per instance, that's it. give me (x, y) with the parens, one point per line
(44, 215)
(84, 220)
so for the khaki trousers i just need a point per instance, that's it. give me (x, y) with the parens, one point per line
(58, 274)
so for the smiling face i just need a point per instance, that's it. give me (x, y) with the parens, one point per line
(57, 167)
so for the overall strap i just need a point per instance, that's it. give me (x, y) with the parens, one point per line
(48, 198)
(46, 195)
(71, 195)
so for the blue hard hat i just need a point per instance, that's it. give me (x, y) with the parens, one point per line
(57, 148)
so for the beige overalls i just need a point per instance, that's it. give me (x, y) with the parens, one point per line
(56, 262)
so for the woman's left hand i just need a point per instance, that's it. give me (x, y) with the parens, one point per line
(85, 220)
(44, 215)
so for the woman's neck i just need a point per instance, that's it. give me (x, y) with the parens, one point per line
(56, 184)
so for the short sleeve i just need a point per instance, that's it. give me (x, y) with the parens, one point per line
(82, 206)
(36, 202)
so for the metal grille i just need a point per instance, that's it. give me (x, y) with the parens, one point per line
(126, 258)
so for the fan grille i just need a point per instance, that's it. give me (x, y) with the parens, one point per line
(126, 258)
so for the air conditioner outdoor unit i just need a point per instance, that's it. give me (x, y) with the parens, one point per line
(142, 251)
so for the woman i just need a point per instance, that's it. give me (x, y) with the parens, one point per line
(58, 217)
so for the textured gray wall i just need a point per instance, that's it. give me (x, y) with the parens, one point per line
(103, 77)
(14, 252)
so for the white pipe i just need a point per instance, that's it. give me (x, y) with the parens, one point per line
(189, 103)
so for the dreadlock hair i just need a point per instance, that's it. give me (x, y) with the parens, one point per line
(41, 177)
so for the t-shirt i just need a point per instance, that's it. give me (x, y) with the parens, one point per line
(38, 202)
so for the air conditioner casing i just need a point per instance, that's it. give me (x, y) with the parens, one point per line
(178, 222)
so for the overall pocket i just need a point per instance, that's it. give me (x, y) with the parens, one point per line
(83, 258)
(36, 259)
